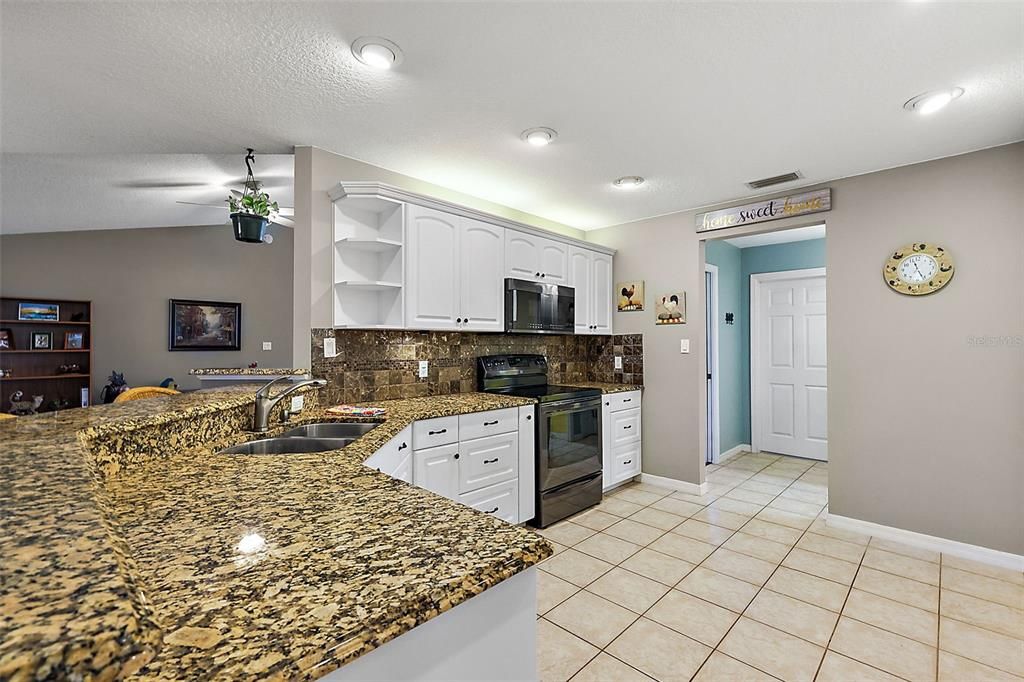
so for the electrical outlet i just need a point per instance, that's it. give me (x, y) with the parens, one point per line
(330, 347)
(267, 345)
(423, 369)
(297, 403)
(684, 345)
(618, 362)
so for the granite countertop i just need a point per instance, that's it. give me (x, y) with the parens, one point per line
(143, 568)
(246, 371)
(607, 387)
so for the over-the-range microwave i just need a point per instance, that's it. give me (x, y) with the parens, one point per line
(538, 308)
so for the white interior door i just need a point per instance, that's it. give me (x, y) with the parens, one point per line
(789, 386)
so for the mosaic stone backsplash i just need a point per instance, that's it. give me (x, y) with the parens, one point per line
(382, 365)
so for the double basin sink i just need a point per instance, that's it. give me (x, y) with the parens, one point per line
(303, 439)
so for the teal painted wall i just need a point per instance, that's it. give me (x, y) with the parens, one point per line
(734, 340)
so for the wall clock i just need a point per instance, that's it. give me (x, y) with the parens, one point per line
(918, 269)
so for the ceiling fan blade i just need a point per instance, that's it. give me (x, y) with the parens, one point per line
(159, 184)
(284, 222)
(193, 203)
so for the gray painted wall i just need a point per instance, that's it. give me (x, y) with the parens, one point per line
(926, 422)
(130, 274)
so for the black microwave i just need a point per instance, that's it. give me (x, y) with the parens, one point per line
(537, 308)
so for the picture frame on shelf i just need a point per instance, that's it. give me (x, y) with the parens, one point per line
(42, 340)
(39, 312)
(204, 325)
(74, 340)
(6, 338)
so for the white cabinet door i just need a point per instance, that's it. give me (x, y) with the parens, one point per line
(432, 269)
(482, 291)
(487, 461)
(393, 454)
(554, 261)
(527, 463)
(498, 500)
(601, 298)
(580, 279)
(522, 255)
(437, 469)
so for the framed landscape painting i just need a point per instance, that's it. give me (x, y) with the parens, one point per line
(205, 325)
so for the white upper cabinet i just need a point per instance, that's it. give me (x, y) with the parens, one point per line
(590, 274)
(534, 258)
(453, 267)
(602, 298)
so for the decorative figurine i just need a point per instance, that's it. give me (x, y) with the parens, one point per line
(169, 382)
(24, 407)
(116, 386)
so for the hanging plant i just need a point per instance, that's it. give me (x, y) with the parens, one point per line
(252, 211)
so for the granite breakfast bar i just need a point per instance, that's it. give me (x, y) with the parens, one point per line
(130, 548)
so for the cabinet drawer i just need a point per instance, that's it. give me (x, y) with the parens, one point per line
(393, 453)
(626, 462)
(622, 401)
(432, 432)
(480, 424)
(624, 427)
(486, 461)
(501, 500)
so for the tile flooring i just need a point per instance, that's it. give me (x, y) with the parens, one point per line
(747, 582)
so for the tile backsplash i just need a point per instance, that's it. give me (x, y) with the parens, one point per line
(378, 365)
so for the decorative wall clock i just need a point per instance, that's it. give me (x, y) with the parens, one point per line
(918, 269)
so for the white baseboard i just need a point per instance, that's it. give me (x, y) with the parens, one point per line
(732, 452)
(984, 555)
(675, 484)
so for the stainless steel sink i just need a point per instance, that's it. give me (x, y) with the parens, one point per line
(286, 446)
(330, 430)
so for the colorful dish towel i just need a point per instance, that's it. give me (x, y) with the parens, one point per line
(353, 411)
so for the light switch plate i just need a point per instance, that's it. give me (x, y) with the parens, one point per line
(423, 369)
(297, 403)
(618, 362)
(684, 345)
(330, 347)
(267, 345)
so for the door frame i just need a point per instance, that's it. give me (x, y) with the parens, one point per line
(712, 342)
(755, 339)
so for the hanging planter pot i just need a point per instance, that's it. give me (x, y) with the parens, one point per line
(249, 228)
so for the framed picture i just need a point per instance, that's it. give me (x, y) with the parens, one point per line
(205, 325)
(74, 340)
(630, 296)
(671, 308)
(6, 339)
(44, 312)
(42, 340)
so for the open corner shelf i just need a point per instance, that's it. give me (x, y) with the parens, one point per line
(373, 245)
(370, 285)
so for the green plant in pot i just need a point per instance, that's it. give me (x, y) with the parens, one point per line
(251, 212)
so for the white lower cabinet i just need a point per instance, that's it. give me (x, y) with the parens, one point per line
(489, 460)
(620, 437)
(437, 469)
(395, 458)
(500, 500)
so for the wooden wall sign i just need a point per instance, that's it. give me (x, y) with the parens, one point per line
(773, 209)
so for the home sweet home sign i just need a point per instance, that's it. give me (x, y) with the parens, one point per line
(762, 211)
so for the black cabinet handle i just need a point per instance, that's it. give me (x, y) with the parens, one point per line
(436, 433)
(628, 461)
(403, 446)
(529, 417)
(627, 426)
(543, 274)
(459, 320)
(491, 423)
(490, 461)
(627, 400)
(536, 274)
(456, 455)
(491, 511)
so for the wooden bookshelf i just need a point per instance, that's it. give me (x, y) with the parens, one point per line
(35, 371)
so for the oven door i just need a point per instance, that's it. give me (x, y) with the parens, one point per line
(569, 442)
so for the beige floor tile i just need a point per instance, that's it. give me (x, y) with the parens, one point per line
(578, 568)
(879, 648)
(752, 496)
(759, 486)
(705, 532)
(657, 518)
(750, 569)
(808, 588)
(635, 532)
(566, 533)
(657, 566)
(719, 517)
(772, 531)
(557, 547)
(593, 618)
(658, 490)
(729, 475)
(630, 494)
(804, 620)
(820, 565)
(1007, 574)
(700, 500)
(953, 668)
(983, 587)
(552, 591)
(605, 668)
(703, 621)
(904, 590)
(784, 518)
(722, 668)
(796, 506)
(607, 548)
(628, 589)
(904, 566)
(983, 646)
(660, 652)
(618, 507)
(839, 668)
(893, 616)
(905, 550)
(728, 504)
(595, 519)
(757, 547)
(773, 651)
(986, 614)
(840, 549)
(821, 527)
(818, 498)
(718, 588)
(682, 547)
(678, 507)
(560, 654)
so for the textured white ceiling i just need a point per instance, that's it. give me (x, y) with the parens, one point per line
(798, 234)
(697, 97)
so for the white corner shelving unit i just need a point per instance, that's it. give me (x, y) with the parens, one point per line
(369, 266)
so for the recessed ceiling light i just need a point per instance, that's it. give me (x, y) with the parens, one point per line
(930, 102)
(628, 182)
(539, 137)
(380, 53)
